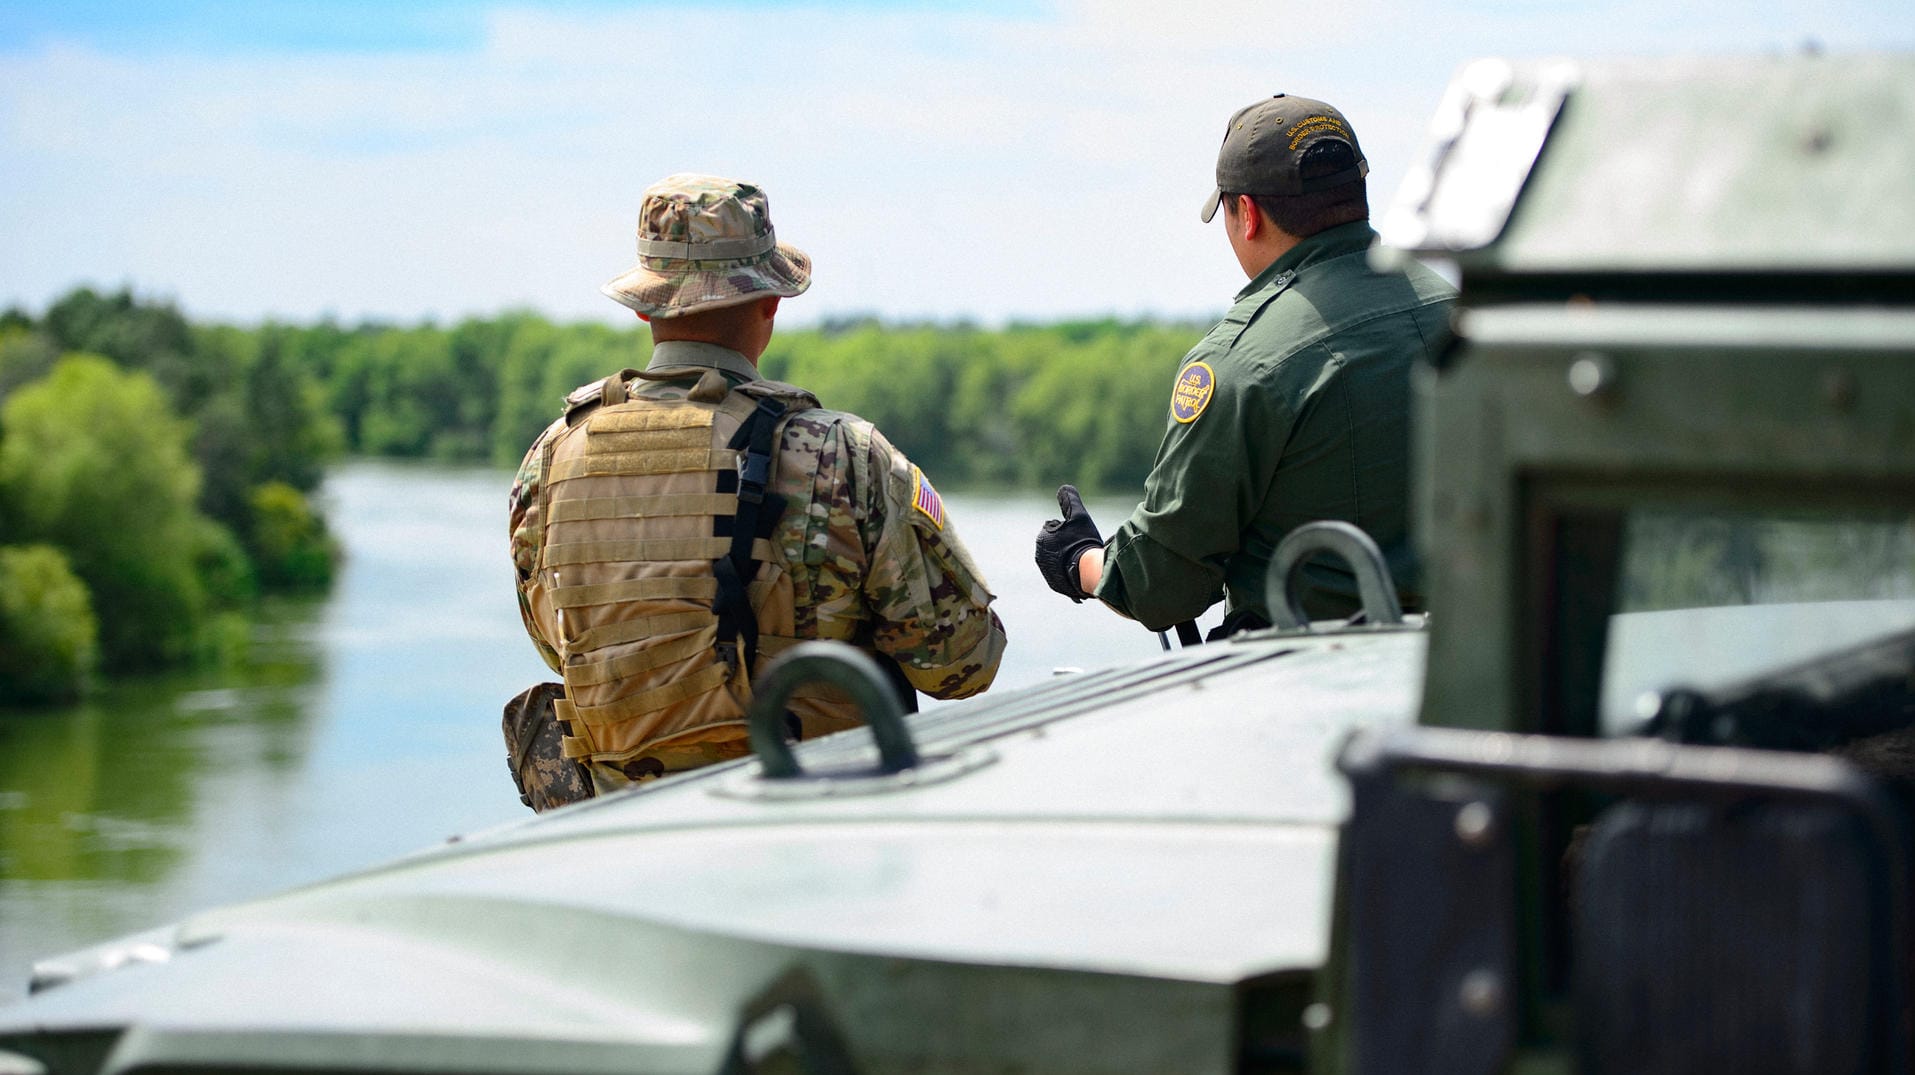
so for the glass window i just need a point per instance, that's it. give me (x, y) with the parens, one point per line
(1707, 599)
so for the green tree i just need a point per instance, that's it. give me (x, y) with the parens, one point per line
(291, 436)
(25, 355)
(542, 363)
(291, 545)
(257, 411)
(49, 640)
(150, 336)
(478, 357)
(525, 407)
(268, 427)
(1090, 403)
(94, 461)
(409, 387)
(900, 380)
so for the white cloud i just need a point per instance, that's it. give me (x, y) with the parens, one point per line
(935, 164)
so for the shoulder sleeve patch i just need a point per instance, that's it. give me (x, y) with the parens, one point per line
(926, 499)
(1194, 387)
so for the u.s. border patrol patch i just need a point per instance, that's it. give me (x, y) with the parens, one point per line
(926, 499)
(1192, 394)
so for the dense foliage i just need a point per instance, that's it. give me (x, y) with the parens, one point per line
(48, 636)
(167, 465)
(153, 474)
(93, 464)
(1029, 405)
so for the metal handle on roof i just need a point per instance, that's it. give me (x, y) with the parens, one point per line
(845, 667)
(1357, 549)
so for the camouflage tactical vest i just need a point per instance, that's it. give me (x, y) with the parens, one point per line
(640, 494)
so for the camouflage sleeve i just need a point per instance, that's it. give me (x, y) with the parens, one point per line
(929, 605)
(527, 530)
(823, 542)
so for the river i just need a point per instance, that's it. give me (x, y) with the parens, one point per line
(366, 724)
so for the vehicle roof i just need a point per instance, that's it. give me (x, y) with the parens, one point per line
(1775, 164)
(1172, 819)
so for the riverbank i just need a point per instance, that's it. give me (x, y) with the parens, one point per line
(365, 724)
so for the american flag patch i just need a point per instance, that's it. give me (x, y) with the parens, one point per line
(926, 499)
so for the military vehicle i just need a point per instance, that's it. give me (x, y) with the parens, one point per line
(1631, 800)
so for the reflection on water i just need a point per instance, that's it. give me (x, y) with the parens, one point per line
(105, 807)
(367, 723)
(102, 790)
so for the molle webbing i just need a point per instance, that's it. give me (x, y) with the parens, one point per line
(666, 461)
(639, 629)
(661, 420)
(657, 522)
(643, 507)
(592, 673)
(707, 679)
(568, 553)
(650, 589)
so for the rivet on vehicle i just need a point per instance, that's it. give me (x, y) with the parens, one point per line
(1479, 517)
(1481, 993)
(774, 1031)
(16, 1064)
(1839, 389)
(1592, 376)
(1317, 1016)
(1475, 824)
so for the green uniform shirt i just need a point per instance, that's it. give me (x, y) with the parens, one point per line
(1294, 408)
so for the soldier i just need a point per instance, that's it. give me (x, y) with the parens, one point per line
(1295, 407)
(681, 525)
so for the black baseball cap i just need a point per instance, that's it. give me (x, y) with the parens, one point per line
(1264, 145)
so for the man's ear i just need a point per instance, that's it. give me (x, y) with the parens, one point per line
(1250, 220)
(769, 307)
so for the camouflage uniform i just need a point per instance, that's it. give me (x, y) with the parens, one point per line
(657, 670)
(706, 242)
(873, 559)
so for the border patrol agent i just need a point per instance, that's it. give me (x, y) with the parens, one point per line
(681, 525)
(1295, 407)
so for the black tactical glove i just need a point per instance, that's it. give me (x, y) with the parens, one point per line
(1062, 541)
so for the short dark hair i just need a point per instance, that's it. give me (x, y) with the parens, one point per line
(1303, 215)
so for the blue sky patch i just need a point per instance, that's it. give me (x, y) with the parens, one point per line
(225, 27)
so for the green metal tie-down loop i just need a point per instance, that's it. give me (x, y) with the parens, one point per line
(1357, 549)
(846, 668)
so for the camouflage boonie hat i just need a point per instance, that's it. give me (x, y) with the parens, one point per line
(706, 242)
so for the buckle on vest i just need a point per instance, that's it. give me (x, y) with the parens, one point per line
(753, 472)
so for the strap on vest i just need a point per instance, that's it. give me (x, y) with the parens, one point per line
(589, 397)
(757, 510)
(642, 589)
(567, 553)
(646, 702)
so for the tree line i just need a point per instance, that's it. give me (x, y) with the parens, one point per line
(154, 480)
(1027, 404)
(156, 474)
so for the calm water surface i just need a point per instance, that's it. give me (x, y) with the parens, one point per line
(368, 723)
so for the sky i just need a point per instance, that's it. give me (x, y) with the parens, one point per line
(991, 161)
